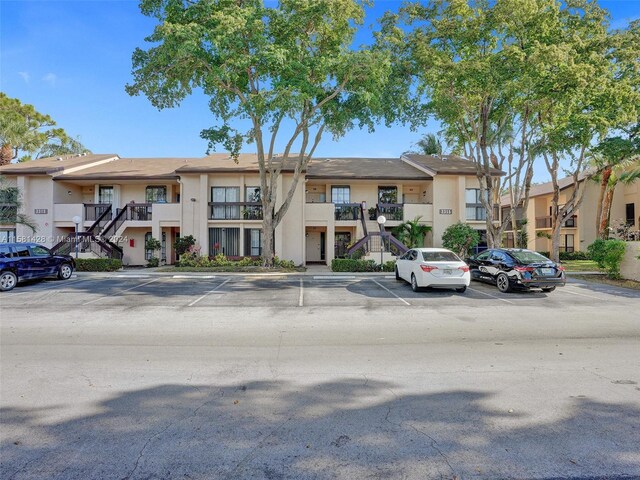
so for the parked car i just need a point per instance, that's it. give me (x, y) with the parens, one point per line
(512, 268)
(433, 267)
(28, 261)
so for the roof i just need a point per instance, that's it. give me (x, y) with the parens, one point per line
(223, 163)
(131, 169)
(50, 165)
(363, 168)
(546, 188)
(446, 164)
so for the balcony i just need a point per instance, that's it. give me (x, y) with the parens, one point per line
(413, 210)
(93, 211)
(167, 213)
(235, 211)
(347, 211)
(320, 213)
(547, 222)
(391, 211)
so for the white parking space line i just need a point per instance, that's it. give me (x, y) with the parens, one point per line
(121, 291)
(210, 291)
(382, 286)
(301, 298)
(194, 276)
(390, 276)
(57, 284)
(334, 277)
(131, 276)
(566, 289)
(492, 296)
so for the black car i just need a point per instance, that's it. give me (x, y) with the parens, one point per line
(29, 261)
(512, 268)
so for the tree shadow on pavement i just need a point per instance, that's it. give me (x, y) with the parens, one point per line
(347, 429)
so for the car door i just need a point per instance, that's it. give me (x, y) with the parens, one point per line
(43, 262)
(480, 266)
(402, 264)
(23, 262)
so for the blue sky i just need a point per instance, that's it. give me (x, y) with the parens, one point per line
(71, 59)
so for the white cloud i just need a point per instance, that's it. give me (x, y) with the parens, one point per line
(50, 78)
(25, 76)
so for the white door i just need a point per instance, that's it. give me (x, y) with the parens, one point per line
(313, 247)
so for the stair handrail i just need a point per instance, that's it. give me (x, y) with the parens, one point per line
(100, 218)
(106, 233)
(363, 220)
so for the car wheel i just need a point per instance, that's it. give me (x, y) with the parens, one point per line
(65, 271)
(502, 282)
(461, 289)
(548, 289)
(397, 275)
(414, 283)
(8, 280)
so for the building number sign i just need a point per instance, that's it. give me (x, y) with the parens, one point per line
(446, 211)
(41, 211)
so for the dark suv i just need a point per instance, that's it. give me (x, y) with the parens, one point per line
(513, 268)
(28, 261)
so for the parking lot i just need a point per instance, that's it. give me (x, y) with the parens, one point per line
(184, 291)
(225, 376)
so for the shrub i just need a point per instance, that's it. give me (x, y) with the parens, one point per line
(183, 244)
(460, 238)
(153, 262)
(353, 265)
(288, 264)
(389, 266)
(574, 256)
(98, 264)
(608, 254)
(357, 253)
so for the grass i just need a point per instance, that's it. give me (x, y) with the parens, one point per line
(603, 279)
(229, 268)
(581, 266)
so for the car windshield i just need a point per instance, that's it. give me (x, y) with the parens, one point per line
(440, 257)
(526, 256)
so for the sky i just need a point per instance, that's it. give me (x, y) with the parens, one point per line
(72, 59)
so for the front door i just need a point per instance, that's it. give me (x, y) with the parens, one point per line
(343, 239)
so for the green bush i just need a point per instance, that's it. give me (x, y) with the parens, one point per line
(460, 238)
(608, 254)
(389, 266)
(153, 262)
(353, 265)
(182, 244)
(98, 264)
(574, 256)
(288, 264)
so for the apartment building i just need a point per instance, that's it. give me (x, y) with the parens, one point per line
(579, 231)
(119, 203)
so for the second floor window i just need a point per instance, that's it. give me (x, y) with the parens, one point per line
(340, 194)
(252, 194)
(474, 208)
(156, 194)
(105, 194)
(221, 195)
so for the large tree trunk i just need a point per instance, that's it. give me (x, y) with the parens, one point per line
(555, 241)
(606, 214)
(6, 154)
(606, 174)
(268, 234)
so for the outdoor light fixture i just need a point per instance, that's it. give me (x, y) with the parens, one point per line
(381, 221)
(77, 221)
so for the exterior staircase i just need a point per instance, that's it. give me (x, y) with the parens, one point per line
(377, 241)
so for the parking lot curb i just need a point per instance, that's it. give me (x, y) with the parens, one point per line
(182, 274)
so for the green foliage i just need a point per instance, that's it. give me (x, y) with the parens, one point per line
(522, 236)
(352, 265)
(411, 232)
(389, 266)
(285, 264)
(357, 254)
(153, 244)
(153, 262)
(98, 264)
(222, 262)
(182, 244)
(608, 254)
(10, 206)
(574, 256)
(460, 238)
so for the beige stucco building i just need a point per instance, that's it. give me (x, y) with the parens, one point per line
(335, 204)
(580, 231)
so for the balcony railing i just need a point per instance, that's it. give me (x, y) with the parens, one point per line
(547, 222)
(347, 211)
(391, 211)
(139, 212)
(235, 211)
(93, 211)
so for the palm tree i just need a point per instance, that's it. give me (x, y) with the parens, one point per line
(429, 144)
(10, 206)
(411, 232)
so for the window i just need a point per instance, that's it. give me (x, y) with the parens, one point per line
(225, 241)
(440, 257)
(484, 255)
(8, 235)
(5, 251)
(630, 216)
(38, 251)
(340, 194)
(568, 245)
(475, 210)
(105, 194)
(388, 194)
(252, 194)
(21, 251)
(252, 242)
(163, 251)
(156, 194)
(252, 212)
(148, 253)
(9, 195)
(225, 195)
(497, 256)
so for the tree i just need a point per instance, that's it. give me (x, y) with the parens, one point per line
(429, 144)
(11, 206)
(283, 68)
(25, 130)
(460, 238)
(412, 232)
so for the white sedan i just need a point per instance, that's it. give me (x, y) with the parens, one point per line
(433, 267)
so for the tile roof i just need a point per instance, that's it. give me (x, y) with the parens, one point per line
(547, 187)
(222, 163)
(130, 169)
(363, 168)
(447, 164)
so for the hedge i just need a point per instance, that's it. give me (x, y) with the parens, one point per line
(574, 256)
(98, 264)
(357, 265)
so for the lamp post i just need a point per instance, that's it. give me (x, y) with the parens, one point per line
(77, 221)
(381, 221)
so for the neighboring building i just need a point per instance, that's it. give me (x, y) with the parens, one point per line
(579, 231)
(129, 200)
